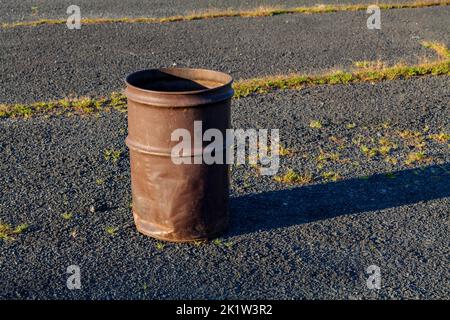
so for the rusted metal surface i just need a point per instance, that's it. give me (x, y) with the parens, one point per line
(183, 202)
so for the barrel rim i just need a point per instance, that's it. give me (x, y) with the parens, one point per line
(224, 84)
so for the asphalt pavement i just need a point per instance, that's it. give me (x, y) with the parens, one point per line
(284, 242)
(377, 157)
(51, 62)
(29, 10)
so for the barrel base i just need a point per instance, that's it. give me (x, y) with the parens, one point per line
(142, 229)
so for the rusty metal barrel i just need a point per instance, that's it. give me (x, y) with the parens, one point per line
(172, 201)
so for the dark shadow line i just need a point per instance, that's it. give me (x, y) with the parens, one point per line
(283, 208)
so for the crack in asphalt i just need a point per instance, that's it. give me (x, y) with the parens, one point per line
(258, 12)
(61, 62)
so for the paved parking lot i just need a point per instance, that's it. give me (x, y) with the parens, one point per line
(377, 155)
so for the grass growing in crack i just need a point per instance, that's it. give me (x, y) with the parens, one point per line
(374, 65)
(112, 231)
(371, 74)
(112, 154)
(440, 48)
(16, 110)
(243, 88)
(159, 246)
(67, 215)
(337, 77)
(256, 12)
(293, 177)
(84, 105)
(118, 102)
(7, 232)
(362, 64)
(65, 103)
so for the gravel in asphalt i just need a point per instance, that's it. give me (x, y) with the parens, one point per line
(13, 10)
(285, 242)
(94, 60)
